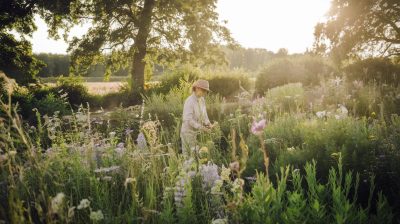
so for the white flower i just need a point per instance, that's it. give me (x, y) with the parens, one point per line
(85, 203)
(290, 149)
(57, 201)
(106, 178)
(71, 212)
(209, 173)
(225, 173)
(12, 153)
(343, 110)
(112, 134)
(107, 169)
(96, 216)
(337, 81)
(217, 187)
(237, 185)
(321, 114)
(220, 221)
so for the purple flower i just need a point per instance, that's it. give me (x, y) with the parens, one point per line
(141, 141)
(258, 127)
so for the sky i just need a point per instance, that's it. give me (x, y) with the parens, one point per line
(269, 24)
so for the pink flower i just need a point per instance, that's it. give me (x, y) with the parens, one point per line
(258, 127)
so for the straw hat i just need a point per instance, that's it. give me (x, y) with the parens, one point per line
(203, 84)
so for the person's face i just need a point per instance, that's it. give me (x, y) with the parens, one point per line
(200, 92)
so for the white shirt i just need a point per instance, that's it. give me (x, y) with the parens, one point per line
(194, 114)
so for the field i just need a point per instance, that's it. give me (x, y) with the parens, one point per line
(271, 158)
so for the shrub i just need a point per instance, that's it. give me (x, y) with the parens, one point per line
(52, 103)
(77, 93)
(305, 69)
(378, 70)
(173, 78)
(286, 98)
(229, 86)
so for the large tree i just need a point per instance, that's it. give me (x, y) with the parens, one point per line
(17, 17)
(360, 28)
(137, 33)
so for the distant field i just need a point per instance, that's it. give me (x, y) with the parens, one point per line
(90, 79)
(99, 88)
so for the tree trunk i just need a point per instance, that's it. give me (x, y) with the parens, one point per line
(140, 47)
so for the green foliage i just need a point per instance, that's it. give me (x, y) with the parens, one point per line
(16, 59)
(229, 85)
(288, 202)
(51, 103)
(287, 98)
(77, 93)
(305, 69)
(130, 184)
(173, 79)
(374, 70)
(355, 28)
(250, 59)
(138, 38)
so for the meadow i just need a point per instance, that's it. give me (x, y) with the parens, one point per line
(296, 153)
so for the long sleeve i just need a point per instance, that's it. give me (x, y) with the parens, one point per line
(188, 115)
(204, 110)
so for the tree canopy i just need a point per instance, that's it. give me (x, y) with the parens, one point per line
(142, 32)
(16, 58)
(360, 28)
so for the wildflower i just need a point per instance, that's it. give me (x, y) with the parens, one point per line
(252, 179)
(220, 221)
(209, 173)
(107, 169)
(373, 114)
(121, 145)
(217, 187)
(188, 164)
(358, 83)
(3, 158)
(12, 153)
(71, 212)
(321, 114)
(258, 127)
(203, 150)
(128, 131)
(85, 203)
(112, 134)
(237, 185)
(225, 173)
(56, 202)
(343, 110)
(141, 141)
(180, 192)
(96, 216)
(290, 149)
(234, 166)
(203, 160)
(337, 81)
(106, 178)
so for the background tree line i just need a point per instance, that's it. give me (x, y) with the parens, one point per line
(249, 59)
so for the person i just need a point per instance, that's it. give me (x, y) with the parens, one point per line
(194, 118)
